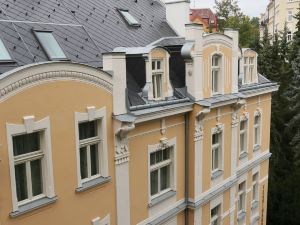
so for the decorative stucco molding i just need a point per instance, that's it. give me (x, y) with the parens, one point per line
(122, 151)
(198, 135)
(234, 119)
(25, 77)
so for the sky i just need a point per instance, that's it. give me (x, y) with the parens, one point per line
(251, 8)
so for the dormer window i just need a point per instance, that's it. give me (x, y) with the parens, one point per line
(50, 45)
(216, 73)
(129, 18)
(157, 74)
(250, 74)
(4, 54)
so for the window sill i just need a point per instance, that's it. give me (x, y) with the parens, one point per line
(254, 204)
(33, 206)
(243, 155)
(216, 174)
(256, 148)
(161, 198)
(241, 215)
(93, 183)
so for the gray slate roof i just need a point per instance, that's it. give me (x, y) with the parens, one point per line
(84, 28)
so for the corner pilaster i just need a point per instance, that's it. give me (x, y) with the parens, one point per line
(122, 171)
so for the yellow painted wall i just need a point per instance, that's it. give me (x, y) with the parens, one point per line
(59, 101)
(149, 134)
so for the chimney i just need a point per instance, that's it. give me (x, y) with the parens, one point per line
(178, 14)
(234, 34)
(192, 51)
(115, 63)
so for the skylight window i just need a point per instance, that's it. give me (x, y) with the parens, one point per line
(50, 45)
(129, 18)
(4, 54)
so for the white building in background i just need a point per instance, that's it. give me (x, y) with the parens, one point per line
(279, 12)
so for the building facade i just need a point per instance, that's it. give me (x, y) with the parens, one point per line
(144, 128)
(278, 14)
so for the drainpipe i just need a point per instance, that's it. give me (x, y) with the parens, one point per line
(186, 140)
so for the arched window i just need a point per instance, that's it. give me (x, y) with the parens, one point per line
(216, 74)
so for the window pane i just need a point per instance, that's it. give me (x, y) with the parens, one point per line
(159, 156)
(88, 130)
(256, 120)
(26, 143)
(129, 18)
(215, 139)
(242, 142)
(36, 177)
(165, 177)
(154, 182)
(94, 160)
(50, 45)
(152, 159)
(153, 65)
(215, 159)
(21, 181)
(215, 80)
(166, 154)
(242, 125)
(83, 163)
(4, 55)
(158, 65)
(256, 139)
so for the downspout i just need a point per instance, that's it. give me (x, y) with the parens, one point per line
(186, 140)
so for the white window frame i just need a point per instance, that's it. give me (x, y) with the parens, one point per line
(219, 130)
(157, 72)
(245, 136)
(217, 218)
(255, 187)
(220, 74)
(244, 118)
(289, 16)
(29, 126)
(289, 36)
(217, 202)
(91, 115)
(165, 143)
(243, 194)
(257, 113)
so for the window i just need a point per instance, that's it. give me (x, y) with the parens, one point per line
(50, 45)
(289, 36)
(129, 18)
(243, 136)
(255, 187)
(30, 162)
(242, 197)
(257, 121)
(246, 76)
(92, 159)
(216, 73)
(250, 74)
(157, 74)
(4, 54)
(215, 215)
(90, 142)
(28, 157)
(216, 152)
(160, 171)
(290, 16)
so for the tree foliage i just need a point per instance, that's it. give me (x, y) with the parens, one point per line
(230, 16)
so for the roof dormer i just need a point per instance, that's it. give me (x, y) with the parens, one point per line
(248, 72)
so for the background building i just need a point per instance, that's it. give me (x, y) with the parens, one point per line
(205, 17)
(112, 115)
(277, 14)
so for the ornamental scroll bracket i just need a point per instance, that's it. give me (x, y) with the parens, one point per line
(198, 134)
(122, 150)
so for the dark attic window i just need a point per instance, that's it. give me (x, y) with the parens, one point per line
(129, 18)
(50, 45)
(4, 54)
